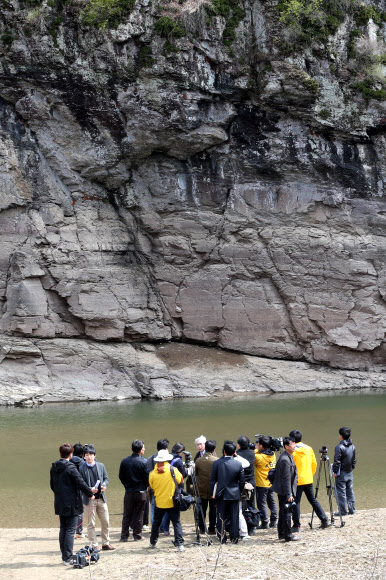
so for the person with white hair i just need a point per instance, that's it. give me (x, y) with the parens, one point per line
(200, 444)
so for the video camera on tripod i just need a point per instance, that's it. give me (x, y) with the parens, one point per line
(326, 467)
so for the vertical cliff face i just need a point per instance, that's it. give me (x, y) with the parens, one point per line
(207, 183)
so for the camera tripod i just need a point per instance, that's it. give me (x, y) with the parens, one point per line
(197, 508)
(325, 466)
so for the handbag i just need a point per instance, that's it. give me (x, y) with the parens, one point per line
(271, 475)
(247, 491)
(182, 501)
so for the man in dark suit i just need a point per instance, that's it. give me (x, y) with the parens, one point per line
(229, 477)
(285, 484)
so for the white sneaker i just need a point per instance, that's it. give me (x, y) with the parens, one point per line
(145, 527)
(245, 538)
(180, 548)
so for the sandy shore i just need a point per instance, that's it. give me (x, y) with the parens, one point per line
(356, 551)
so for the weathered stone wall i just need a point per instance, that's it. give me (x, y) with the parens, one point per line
(203, 197)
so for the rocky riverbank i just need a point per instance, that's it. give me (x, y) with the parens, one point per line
(40, 371)
(355, 551)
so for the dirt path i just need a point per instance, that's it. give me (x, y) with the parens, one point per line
(356, 551)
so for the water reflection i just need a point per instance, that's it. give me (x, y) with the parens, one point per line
(31, 437)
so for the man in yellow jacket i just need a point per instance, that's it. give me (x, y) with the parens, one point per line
(161, 482)
(264, 461)
(305, 462)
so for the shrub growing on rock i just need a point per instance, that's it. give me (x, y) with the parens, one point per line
(106, 13)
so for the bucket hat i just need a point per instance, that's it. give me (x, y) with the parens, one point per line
(163, 455)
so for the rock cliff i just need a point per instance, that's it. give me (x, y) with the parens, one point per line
(198, 171)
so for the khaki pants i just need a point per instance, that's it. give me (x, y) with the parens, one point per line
(91, 510)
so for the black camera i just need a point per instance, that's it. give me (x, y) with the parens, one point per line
(251, 446)
(275, 443)
(188, 458)
(289, 506)
(84, 557)
(323, 450)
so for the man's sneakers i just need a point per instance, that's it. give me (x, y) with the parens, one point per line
(79, 535)
(245, 538)
(67, 562)
(292, 538)
(340, 514)
(123, 539)
(139, 538)
(325, 524)
(273, 524)
(180, 548)
(145, 527)
(263, 526)
(152, 546)
(108, 547)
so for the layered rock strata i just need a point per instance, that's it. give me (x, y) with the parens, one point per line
(203, 197)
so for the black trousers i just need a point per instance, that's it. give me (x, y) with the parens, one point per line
(134, 503)
(284, 523)
(228, 509)
(174, 515)
(309, 493)
(145, 515)
(66, 535)
(265, 496)
(212, 514)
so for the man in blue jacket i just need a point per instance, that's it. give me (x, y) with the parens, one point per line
(229, 477)
(133, 475)
(344, 462)
(67, 484)
(93, 472)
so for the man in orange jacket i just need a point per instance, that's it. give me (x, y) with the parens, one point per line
(305, 462)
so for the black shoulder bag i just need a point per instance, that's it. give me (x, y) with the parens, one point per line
(181, 500)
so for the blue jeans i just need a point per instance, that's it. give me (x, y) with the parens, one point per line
(152, 506)
(265, 496)
(165, 522)
(344, 492)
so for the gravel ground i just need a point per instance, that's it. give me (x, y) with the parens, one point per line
(354, 551)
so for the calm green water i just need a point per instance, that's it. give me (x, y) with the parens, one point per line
(30, 439)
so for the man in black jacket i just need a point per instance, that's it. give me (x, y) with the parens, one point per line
(249, 472)
(344, 462)
(229, 477)
(67, 484)
(133, 475)
(77, 459)
(285, 484)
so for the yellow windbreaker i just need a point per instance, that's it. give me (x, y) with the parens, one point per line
(264, 461)
(305, 462)
(163, 486)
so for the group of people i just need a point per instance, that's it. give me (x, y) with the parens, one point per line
(227, 487)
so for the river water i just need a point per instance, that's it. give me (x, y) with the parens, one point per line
(30, 438)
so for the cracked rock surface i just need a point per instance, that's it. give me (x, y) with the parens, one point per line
(200, 198)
